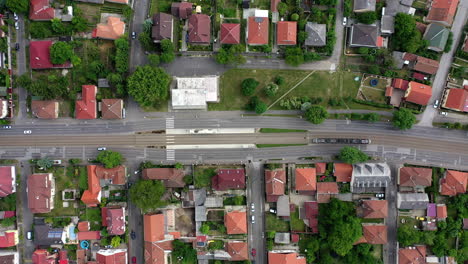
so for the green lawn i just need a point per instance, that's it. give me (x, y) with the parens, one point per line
(280, 130)
(160, 6)
(375, 95)
(278, 145)
(273, 223)
(296, 223)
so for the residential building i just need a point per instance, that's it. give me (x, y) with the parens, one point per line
(415, 177)
(42, 256)
(181, 10)
(41, 192)
(235, 222)
(413, 255)
(441, 212)
(92, 196)
(39, 56)
(116, 176)
(326, 190)
(45, 109)
(199, 29)
(230, 33)
(158, 245)
(343, 172)
(83, 226)
(112, 29)
(361, 6)
(44, 235)
(316, 34)
(171, 177)
(9, 238)
(442, 11)
(456, 99)
(306, 180)
(86, 107)
(257, 33)
(89, 235)
(387, 24)
(282, 238)
(375, 234)
(9, 257)
(370, 177)
(7, 214)
(454, 182)
(7, 180)
(238, 250)
(424, 65)
(320, 168)
(418, 93)
(374, 209)
(111, 108)
(274, 5)
(40, 10)
(311, 211)
(437, 35)
(412, 201)
(286, 33)
(285, 258)
(362, 35)
(111, 256)
(114, 219)
(227, 179)
(275, 181)
(399, 83)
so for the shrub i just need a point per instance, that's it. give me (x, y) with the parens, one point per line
(248, 86)
(279, 80)
(271, 89)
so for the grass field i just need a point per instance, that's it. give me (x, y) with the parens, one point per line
(374, 94)
(296, 223)
(160, 6)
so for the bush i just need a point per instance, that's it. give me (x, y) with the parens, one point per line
(448, 44)
(261, 107)
(279, 80)
(248, 86)
(352, 155)
(294, 17)
(371, 103)
(271, 89)
(60, 52)
(316, 114)
(367, 17)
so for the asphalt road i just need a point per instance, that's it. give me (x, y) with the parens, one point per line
(256, 195)
(391, 247)
(21, 69)
(27, 216)
(137, 54)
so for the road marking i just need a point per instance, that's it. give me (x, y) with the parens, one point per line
(170, 154)
(169, 122)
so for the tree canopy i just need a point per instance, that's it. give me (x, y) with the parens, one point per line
(316, 114)
(146, 194)
(121, 54)
(60, 52)
(167, 51)
(110, 159)
(294, 56)
(352, 155)
(149, 85)
(261, 107)
(403, 119)
(230, 55)
(183, 253)
(248, 86)
(18, 6)
(406, 37)
(367, 17)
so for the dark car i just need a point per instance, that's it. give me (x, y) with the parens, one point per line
(17, 47)
(341, 141)
(133, 35)
(133, 235)
(254, 252)
(133, 260)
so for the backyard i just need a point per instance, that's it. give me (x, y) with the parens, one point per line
(273, 223)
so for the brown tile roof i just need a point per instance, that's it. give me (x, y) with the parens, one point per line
(342, 172)
(238, 250)
(91, 196)
(112, 29)
(86, 107)
(442, 11)
(199, 29)
(116, 175)
(325, 190)
(426, 65)
(456, 99)
(258, 31)
(83, 226)
(320, 168)
(375, 209)
(306, 179)
(421, 27)
(162, 27)
(441, 211)
(230, 33)
(412, 255)
(418, 93)
(171, 177)
(275, 181)
(89, 235)
(45, 109)
(274, 5)
(409, 56)
(453, 183)
(40, 192)
(81, 256)
(181, 10)
(111, 108)
(375, 234)
(285, 258)
(236, 222)
(413, 176)
(41, 10)
(388, 91)
(112, 257)
(400, 84)
(286, 32)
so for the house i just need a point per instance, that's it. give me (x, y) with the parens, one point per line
(275, 181)
(236, 222)
(9, 257)
(230, 33)
(455, 99)
(83, 226)
(227, 179)
(86, 107)
(42, 256)
(257, 33)
(343, 172)
(171, 177)
(44, 235)
(454, 182)
(111, 256)
(195, 92)
(442, 11)
(412, 201)
(375, 234)
(306, 180)
(441, 212)
(311, 211)
(45, 109)
(89, 235)
(437, 36)
(413, 255)
(9, 238)
(7, 214)
(424, 65)
(40, 10)
(41, 192)
(282, 238)
(7, 180)
(286, 33)
(158, 245)
(92, 196)
(3, 106)
(285, 258)
(374, 209)
(316, 34)
(326, 190)
(320, 168)
(415, 177)
(274, 5)
(370, 177)
(418, 93)
(419, 76)
(116, 176)
(238, 250)
(365, 36)
(199, 29)
(39, 56)
(112, 29)
(181, 10)
(361, 6)
(114, 219)
(399, 83)
(387, 24)
(111, 108)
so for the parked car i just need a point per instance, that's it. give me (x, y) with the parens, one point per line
(16, 25)
(254, 252)
(444, 113)
(133, 35)
(420, 218)
(252, 207)
(29, 235)
(101, 148)
(252, 218)
(380, 195)
(6, 126)
(133, 235)
(57, 162)
(136, 172)
(345, 21)
(133, 260)
(27, 132)
(272, 210)
(15, 16)
(17, 46)
(436, 103)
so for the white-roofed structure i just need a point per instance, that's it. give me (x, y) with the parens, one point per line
(261, 13)
(194, 93)
(188, 99)
(208, 84)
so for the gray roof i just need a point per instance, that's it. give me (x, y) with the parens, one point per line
(316, 34)
(398, 59)
(44, 235)
(103, 82)
(412, 201)
(214, 202)
(282, 238)
(364, 5)
(364, 36)
(282, 206)
(406, 2)
(200, 213)
(437, 36)
(199, 196)
(387, 24)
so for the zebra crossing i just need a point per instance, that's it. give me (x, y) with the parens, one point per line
(170, 154)
(169, 122)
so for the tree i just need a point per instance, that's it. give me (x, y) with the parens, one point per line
(294, 56)
(372, 117)
(403, 119)
(231, 55)
(110, 159)
(271, 89)
(282, 8)
(294, 17)
(352, 155)
(167, 48)
(316, 14)
(80, 24)
(153, 60)
(45, 163)
(184, 253)
(18, 6)
(302, 36)
(407, 235)
(149, 85)
(188, 179)
(406, 37)
(60, 52)
(205, 228)
(121, 54)
(146, 41)
(367, 17)
(316, 114)
(146, 194)
(248, 86)
(115, 242)
(343, 236)
(448, 44)
(279, 80)
(57, 26)
(216, 245)
(261, 107)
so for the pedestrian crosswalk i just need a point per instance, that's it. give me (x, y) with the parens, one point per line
(170, 154)
(169, 122)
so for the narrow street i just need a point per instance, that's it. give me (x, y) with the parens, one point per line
(256, 195)
(391, 248)
(27, 216)
(21, 69)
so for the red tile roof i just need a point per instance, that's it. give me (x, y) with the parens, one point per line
(40, 197)
(409, 56)
(274, 5)
(375, 234)
(114, 219)
(171, 177)
(375, 209)
(109, 257)
(414, 176)
(426, 65)
(86, 107)
(89, 235)
(286, 32)
(285, 258)
(228, 179)
(258, 31)
(8, 238)
(92, 196)
(453, 183)
(112, 29)
(83, 226)
(7, 179)
(154, 252)
(442, 11)
(42, 256)
(116, 175)
(236, 222)
(342, 172)
(320, 168)
(418, 76)
(275, 181)
(238, 250)
(111, 108)
(325, 190)
(412, 255)
(41, 10)
(45, 109)
(199, 29)
(418, 93)
(154, 227)
(306, 179)
(400, 84)
(230, 33)
(441, 211)
(181, 10)
(456, 99)
(39, 56)
(389, 91)
(311, 214)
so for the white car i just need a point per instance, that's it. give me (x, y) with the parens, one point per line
(15, 16)
(29, 235)
(101, 148)
(436, 103)
(252, 207)
(444, 113)
(27, 132)
(345, 21)
(252, 217)
(16, 26)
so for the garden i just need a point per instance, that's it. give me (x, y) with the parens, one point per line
(202, 176)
